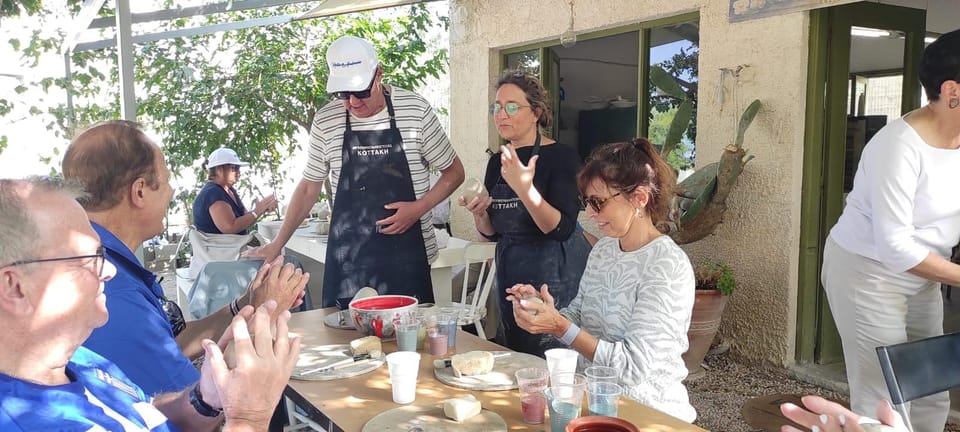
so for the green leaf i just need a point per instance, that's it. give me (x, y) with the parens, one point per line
(662, 80)
(746, 119)
(699, 188)
(677, 127)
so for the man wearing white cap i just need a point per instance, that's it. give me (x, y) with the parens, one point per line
(377, 143)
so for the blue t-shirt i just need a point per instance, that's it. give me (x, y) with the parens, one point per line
(137, 337)
(210, 194)
(25, 406)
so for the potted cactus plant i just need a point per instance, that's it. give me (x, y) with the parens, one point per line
(697, 210)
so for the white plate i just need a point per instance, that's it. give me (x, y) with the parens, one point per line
(502, 377)
(333, 320)
(430, 418)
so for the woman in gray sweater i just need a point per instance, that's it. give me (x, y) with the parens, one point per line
(636, 295)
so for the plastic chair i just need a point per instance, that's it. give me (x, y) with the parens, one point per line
(920, 368)
(476, 310)
(219, 282)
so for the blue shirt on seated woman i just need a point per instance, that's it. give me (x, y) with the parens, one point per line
(218, 208)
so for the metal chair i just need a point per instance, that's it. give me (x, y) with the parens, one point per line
(920, 368)
(477, 255)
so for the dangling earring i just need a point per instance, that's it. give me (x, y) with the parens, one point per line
(637, 213)
(954, 103)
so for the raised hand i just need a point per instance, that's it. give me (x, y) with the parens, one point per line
(514, 172)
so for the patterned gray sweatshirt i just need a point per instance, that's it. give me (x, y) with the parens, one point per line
(638, 304)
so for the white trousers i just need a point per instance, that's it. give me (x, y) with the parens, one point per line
(873, 307)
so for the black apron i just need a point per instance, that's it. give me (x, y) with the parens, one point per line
(374, 173)
(525, 255)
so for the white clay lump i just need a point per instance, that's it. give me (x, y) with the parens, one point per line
(461, 408)
(365, 345)
(472, 363)
(474, 189)
(531, 299)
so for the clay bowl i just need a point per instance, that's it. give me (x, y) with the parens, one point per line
(375, 316)
(600, 424)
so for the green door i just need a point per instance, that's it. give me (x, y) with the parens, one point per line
(858, 53)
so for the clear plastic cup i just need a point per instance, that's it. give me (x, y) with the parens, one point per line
(603, 398)
(602, 374)
(533, 403)
(561, 360)
(564, 402)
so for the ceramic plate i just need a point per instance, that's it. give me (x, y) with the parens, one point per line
(430, 418)
(505, 365)
(317, 357)
(333, 320)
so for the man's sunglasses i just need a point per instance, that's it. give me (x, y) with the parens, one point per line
(174, 316)
(98, 263)
(362, 94)
(512, 108)
(595, 203)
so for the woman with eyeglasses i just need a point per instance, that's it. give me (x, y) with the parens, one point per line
(218, 208)
(636, 296)
(531, 211)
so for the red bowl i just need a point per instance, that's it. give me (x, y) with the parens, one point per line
(376, 316)
(600, 424)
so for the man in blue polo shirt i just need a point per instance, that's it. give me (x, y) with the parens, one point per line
(52, 274)
(127, 182)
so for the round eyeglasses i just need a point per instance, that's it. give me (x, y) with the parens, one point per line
(512, 108)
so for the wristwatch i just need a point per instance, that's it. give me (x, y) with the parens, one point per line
(196, 399)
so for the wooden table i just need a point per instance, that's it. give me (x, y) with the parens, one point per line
(307, 246)
(347, 404)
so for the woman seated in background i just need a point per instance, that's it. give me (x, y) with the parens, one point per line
(636, 296)
(218, 209)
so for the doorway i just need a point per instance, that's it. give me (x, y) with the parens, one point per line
(862, 73)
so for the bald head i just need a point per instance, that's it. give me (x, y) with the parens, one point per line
(19, 232)
(107, 158)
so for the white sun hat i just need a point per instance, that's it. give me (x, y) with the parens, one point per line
(352, 62)
(224, 156)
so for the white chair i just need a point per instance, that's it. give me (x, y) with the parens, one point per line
(475, 310)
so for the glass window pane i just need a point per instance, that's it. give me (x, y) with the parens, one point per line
(528, 61)
(674, 49)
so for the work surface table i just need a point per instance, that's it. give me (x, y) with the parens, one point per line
(349, 403)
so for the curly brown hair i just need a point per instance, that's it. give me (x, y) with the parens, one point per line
(626, 166)
(533, 90)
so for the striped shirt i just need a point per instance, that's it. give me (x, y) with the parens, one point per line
(424, 142)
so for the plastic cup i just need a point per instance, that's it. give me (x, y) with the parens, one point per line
(447, 323)
(561, 360)
(404, 366)
(569, 379)
(603, 398)
(564, 402)
(602, 374)
(533, 403)
(437, 343)
(407, 335)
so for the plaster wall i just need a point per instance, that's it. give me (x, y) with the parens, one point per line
(760, 236)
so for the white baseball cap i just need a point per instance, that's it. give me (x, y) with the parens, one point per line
(224, 156)
(352, 62)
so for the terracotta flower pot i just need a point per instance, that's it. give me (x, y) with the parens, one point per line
(600, 424)
(707, 311)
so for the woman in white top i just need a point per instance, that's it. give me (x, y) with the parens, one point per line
(886, 257)
(636, 295)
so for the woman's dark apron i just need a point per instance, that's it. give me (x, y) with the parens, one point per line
(374, 173)
(526, 255)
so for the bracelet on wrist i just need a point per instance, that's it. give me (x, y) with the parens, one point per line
(204, 409)
(570, 334)
(486, 235)
(254, 213)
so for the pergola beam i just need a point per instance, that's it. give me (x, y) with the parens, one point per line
(210, 9)
(86, 15)
(195, 31)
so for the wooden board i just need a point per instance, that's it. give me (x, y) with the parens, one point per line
(430, 418)
(505, 365)
(312, 358)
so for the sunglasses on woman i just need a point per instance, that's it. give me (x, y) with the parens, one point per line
(512, 108)
(595, 203)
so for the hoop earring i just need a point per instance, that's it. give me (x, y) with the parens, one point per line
(954, 103)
